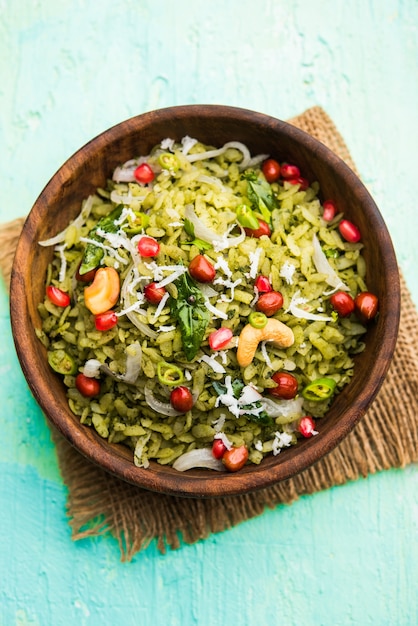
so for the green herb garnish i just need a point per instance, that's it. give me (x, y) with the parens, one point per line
(261, 196)
(93, 254)
(189, 309)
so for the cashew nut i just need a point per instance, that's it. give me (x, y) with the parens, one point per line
(275, 331)
(103, 293)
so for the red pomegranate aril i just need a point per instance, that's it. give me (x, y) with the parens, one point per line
(154, 294)
(201, 269)
(88, 387)
(366, 306)
(220, 338)
(181, 399)
(58, 296)
(342, 303)
(349, 231)
(105, 321)
(287, 386)
(269, 303)
(288, 171)
(302, 182)
(330, 211)
(306, 426)
(218, 448)
(144, 174)
(262, 284)
(148, 246)
(235, 458)
(271, 170)
(263, 229)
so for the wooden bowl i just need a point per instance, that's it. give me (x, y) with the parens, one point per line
(88, 169)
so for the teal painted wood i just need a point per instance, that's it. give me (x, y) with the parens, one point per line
(69, 70)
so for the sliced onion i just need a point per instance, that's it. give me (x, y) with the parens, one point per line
(296, 311)
(201, 457)
(211, 154)
(283, 408)
(78, 222)
(187, 143)
(220, 242)
(207, 290)
(323, 266)
(132, 371)
(256, 160)
(133, 363)
(214, 182)
(164, 408)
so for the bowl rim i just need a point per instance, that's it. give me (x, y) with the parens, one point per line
(193, 483)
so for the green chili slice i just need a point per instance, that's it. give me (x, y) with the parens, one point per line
(246, 217)
(319, 390)
(257, 319)
(169, 374)
(169, 161)
(62, 362)
(137, 222)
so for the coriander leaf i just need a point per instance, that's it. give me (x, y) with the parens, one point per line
(93, 254)
(189, 227)
(199, 243)
(191, 313)
(261, 196)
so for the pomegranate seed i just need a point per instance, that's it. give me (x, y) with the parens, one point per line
(181, 399)
(343, 303)
(144, 174)
(330, 211)
(58, 296)
(288, 171)
(263, 229)
(306, 426)
(271, 170)
(366, 306)
(148, 246)
(235, 458)
(349, 231)
(154, 294)
(269, 303)
(220, 338)
(262, 284)
(302, 182)
(105, 321)
(218, 448)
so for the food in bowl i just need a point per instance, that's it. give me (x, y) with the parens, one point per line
(205, 308)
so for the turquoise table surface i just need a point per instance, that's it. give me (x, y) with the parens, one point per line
(69, 69)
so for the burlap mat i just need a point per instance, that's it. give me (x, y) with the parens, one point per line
(386, 437)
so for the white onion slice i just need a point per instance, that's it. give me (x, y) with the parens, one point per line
(201, 457)
(283, 408)
(93, 367)
(164, 408)
(323, 267)
(201, 231)
(296, 311)
(211, 154)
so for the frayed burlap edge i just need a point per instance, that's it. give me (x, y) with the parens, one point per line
(387, 437)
